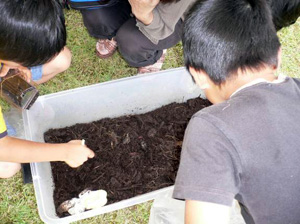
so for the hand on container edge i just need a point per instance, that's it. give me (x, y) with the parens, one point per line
(77, 153)
(4, 70)
(24, 72)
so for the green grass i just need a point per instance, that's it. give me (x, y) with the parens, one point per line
(290, 40)
(17, 201)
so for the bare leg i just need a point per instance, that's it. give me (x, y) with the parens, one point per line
(57, 65)
(8, 169)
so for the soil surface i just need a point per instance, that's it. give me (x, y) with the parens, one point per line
(135, 154)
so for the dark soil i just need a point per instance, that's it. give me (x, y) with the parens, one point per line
(134, 154)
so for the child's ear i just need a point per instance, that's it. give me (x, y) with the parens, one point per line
(279, 58)
(200, 77)
(277, 67)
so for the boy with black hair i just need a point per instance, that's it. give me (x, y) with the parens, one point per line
(33, 39)
(33, 34)
(246, 145)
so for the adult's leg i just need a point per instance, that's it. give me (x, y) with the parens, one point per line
(104, 23)
(138, 50)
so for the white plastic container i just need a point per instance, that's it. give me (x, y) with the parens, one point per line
(133, 95)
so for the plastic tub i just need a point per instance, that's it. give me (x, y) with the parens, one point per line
(133, 95)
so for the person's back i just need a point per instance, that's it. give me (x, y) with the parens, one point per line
(246, 146)
(258, 123)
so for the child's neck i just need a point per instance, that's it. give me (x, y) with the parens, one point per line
(248, 76)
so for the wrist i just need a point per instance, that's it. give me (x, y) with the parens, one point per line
(64, 152)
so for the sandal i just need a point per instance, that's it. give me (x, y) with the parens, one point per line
(155, 67)
(106, 48)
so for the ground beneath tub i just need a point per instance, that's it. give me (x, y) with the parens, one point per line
(134, 154)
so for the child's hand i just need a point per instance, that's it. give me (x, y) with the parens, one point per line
(25, 72)
(142, 9)
(4, 70)
(77, 153)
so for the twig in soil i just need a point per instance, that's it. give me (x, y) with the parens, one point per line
(96, 167)
(99, 177)
(150, 156)
(88, 130)
(161, 125)
(141, 121)
(101, 166)
(131, 162)
(96, 127)
(114, 138)
(128, 188)
(179, 122)
(159, 186)
(169, 157)
(56, 139)
(76, 135)
(172, 137)
(179, 107)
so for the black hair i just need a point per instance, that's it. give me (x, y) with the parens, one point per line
(284, 12)
(222, 36)
(32, 32)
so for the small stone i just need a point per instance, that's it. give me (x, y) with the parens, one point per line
(152, 132)
(126, 140)
(144, 145)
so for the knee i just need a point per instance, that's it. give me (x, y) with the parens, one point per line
(135, 52)
(128, 44)
(59, 64)
(8, 170)
(63, 60)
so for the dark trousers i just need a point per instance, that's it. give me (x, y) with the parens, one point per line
(134, 46)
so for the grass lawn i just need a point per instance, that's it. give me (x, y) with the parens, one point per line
(17, 201)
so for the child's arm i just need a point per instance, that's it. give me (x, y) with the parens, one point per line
(206, 213)
(23, 151)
